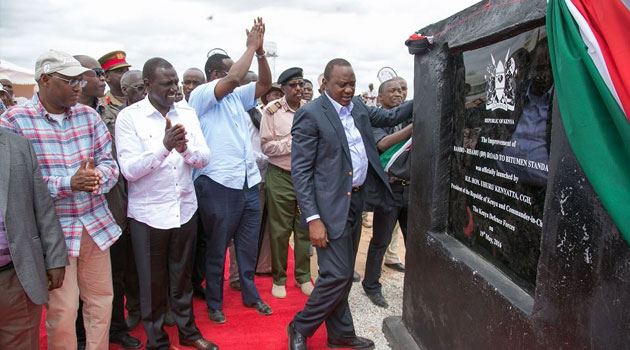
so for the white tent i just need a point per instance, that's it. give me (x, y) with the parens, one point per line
(23, 79)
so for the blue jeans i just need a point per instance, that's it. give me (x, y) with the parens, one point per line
(227, 214)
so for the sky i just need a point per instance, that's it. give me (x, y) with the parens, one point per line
(370, 34)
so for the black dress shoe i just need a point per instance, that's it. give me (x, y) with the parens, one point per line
(236, 285)
(398, 267)
(201, 344)
(356, 277)
(378, 299)
(261, 307)
(132, 320)
(199, 292)
(125, 340)
(296, 340)
(216, 316)
(351, 343)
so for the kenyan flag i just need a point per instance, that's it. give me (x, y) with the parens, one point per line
(589, 42)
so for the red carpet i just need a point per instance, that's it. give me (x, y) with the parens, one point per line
(245, 328)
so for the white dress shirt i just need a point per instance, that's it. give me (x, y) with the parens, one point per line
(161, 190)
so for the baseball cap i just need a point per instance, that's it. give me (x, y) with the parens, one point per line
(58, 62)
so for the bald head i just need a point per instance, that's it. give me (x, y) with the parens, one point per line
(192, 78)
(132, 86)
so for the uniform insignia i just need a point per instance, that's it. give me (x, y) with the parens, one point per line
(274, 107)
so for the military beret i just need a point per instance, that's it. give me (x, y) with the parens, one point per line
(289, 74)
(113, 60)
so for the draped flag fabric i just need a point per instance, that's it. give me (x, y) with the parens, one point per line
(589, 44)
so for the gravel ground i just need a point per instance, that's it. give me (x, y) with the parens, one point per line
(368, 318)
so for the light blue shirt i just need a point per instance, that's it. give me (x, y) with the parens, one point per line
(355, 142)
(224, 126)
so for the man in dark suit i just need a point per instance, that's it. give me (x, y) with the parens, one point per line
(33, 252)
(333, 158)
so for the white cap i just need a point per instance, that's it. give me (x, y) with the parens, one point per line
(58, 62)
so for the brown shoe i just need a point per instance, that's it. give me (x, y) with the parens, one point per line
(201, 344)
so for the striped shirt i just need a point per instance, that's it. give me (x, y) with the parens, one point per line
(60, 148)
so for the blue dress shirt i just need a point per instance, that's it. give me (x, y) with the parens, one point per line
(224, 126)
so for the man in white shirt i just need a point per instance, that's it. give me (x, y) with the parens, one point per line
(158, 144)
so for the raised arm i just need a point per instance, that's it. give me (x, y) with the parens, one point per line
(380, 117)
(239, 69)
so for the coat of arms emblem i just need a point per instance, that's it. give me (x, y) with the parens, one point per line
(501, 83)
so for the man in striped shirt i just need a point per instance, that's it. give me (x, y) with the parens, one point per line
(73, 149)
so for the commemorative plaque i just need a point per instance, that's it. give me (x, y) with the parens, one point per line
(500, 162)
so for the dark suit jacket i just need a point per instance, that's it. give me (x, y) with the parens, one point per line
(321, 167)
(36, 240)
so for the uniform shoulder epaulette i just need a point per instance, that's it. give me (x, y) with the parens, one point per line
(274, 107)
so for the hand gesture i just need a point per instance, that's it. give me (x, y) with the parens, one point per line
(175, 137)
(256, 36)
(86, 178)
(317, 233)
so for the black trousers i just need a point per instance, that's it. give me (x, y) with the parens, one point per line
(384, 222)
(163, 259)
(329, 300)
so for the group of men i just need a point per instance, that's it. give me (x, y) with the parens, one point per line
(132, 193)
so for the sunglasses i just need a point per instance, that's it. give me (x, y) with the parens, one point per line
(294, 85)
(99, 72)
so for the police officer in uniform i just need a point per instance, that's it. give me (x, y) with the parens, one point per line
(275, 140)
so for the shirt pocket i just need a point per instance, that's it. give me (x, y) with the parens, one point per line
(150, 139)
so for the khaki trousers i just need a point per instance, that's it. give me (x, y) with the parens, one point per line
(19, 324)
(89, 277)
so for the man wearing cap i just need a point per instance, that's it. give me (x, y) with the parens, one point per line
(227, 189)
(275, 139)
(7, 87)
(73, 148)
(274, 93)
(5, 99)
(115, 65)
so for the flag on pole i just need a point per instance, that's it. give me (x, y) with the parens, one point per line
(590, 58)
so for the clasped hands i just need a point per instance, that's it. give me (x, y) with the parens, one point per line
(86, 178)
(175, 137)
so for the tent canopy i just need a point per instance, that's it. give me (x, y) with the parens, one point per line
(18, 75)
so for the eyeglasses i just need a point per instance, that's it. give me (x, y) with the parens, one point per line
(72, 82)
(294, 85)
(99, 72)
